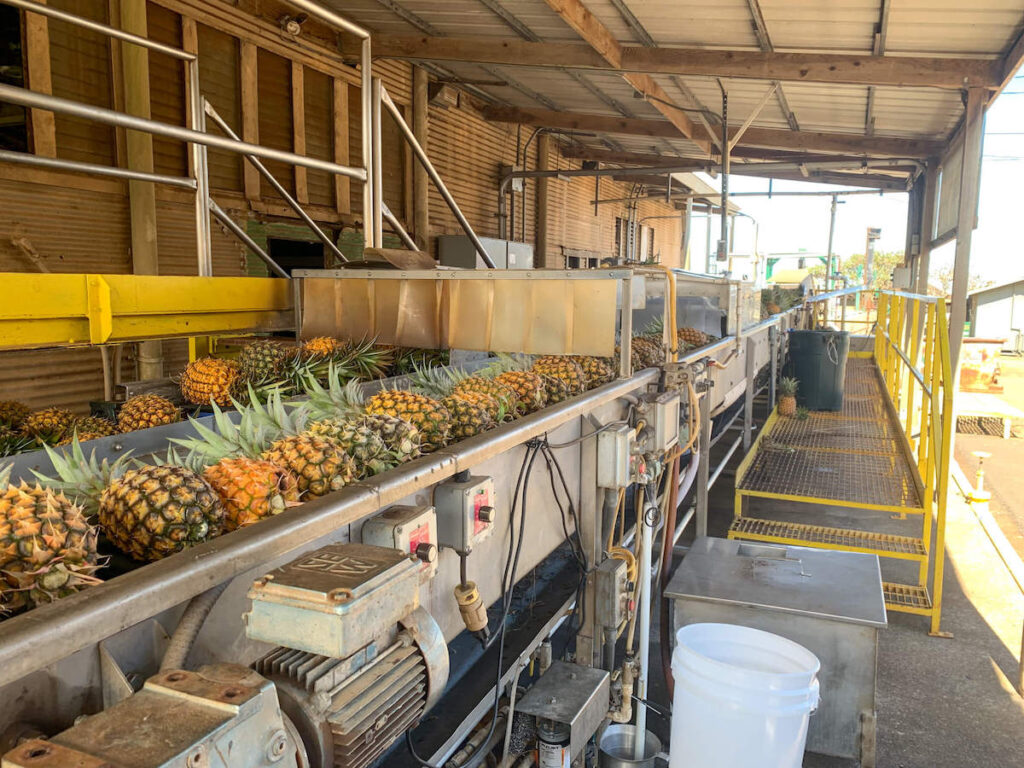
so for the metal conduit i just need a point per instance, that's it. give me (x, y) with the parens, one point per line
(284, 193)
(25, 158)
(242, 235)
(52, 632)
(31, 99)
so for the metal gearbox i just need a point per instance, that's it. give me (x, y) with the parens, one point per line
(412, 530)
(465, 511)
(335, 600)
(222, 716)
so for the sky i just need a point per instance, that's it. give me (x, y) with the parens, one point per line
(791, 224)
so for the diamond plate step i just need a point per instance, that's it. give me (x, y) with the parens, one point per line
(800, 534)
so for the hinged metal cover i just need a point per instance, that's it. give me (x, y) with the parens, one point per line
(572, 694)
(334, 601)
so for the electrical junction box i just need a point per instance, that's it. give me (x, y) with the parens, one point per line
(614, 457)
(334, 600)
(661, 411)
(611, 593)
(412, 530)
(465, 511)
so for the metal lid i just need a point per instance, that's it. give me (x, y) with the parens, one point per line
(843, 586)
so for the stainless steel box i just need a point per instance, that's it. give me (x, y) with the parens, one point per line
(571, 694)
(828, 601)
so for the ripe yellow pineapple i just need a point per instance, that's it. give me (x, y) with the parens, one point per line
(145, 411)
(565, 369)
(251, 489)
(787, 396)
(88, 428)
(154, 511)
(209, 380)
(595, 370)
(467, 418)
(48, 425)
(322, 346)
(690, 338)
(501, 398)
(47, 546)
(319, 464)
(529, 389)
(425, 413)
(13, 413)
(359, 440)
(555, 390)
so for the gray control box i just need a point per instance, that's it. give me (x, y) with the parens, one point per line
(466, 511)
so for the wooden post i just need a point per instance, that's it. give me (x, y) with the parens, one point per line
(927, 225)
(342, 187)
(299, 129)
(970, 174)
(37, 77)
(420, 181)
(544, 146)
(139, 149)
(250, 115)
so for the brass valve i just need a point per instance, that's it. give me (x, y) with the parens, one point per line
(474, 613)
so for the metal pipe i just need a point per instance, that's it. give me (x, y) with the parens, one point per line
(366, 129)
(647, 534)
(52, 632)
(200, 168)
(397, 226)
(27, 98)
(95, 26)
(317, 10)
(435, 177)
(278, 187)
(242, 235)
(831, 235)
(723, 239)
(378, 164)
(56, 163)
(725, 460)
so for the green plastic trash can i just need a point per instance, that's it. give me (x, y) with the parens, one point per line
(817, 359)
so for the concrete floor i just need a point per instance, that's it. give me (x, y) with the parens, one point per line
(940, 702)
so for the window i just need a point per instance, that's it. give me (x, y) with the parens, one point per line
(13, 123)
(296, 254)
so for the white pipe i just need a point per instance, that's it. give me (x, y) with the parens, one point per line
(645, 637)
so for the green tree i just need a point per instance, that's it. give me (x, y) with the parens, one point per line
(882, 265)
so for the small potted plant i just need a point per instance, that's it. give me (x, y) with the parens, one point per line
(787, 396)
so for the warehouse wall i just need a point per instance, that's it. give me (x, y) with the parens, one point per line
(292, 95)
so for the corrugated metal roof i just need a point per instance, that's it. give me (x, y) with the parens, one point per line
(915, 27)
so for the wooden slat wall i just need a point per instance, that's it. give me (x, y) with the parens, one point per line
(167, 90)
(176, 242)
(80, 66)
(393, 160)
(219, 73)
(68, 378)
(468, 153)
(275, 109)
(319, 102)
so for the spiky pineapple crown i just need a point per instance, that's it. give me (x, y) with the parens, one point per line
(249, 437)
(79, 478)
(340, 398)
(788, 386)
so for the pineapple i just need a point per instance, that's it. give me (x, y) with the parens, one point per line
(595, 370)
(407, 360)
(565, 369)
(555, 390)
(401, 437)
(154, 511)
(262, 361)
(368, 360)
(89, 428)
(468, 419)
(529, 389)
(691, 338)
(650, 349)
(13, 413)
(48, 425)
(145, 411)
(251, 489)
(209, 380)
(319, 464)
(322, 346)
(425, 413)
(501, 398)
(359, 440)
(787, 396)
(47, 546)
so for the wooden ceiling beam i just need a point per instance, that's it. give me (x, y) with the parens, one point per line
(803, 141)
(600, 38)
(916, 71)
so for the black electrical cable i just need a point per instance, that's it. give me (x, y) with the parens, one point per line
(511, 564)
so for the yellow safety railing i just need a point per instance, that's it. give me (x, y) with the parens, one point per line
(912, 354)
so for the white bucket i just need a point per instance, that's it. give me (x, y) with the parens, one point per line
(743, 698)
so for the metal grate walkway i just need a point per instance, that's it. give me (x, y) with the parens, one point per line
(855, 458)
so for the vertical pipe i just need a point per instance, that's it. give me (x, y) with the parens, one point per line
(687, 222)
(704, 464)
(626, 329)
(773, 377)
(831, 234)
(378, 167)
(420, 128)
(927, 225)
(366, 101)
(748, 399)
(640, 740)
(723, 242)
(544, 146)
(707, 241)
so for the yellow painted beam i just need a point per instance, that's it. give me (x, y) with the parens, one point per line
(47, 310)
